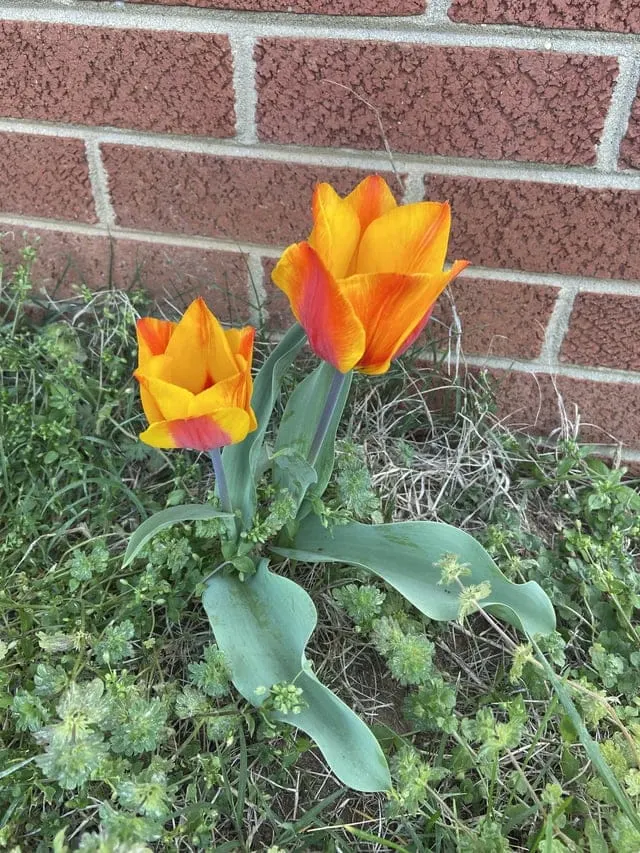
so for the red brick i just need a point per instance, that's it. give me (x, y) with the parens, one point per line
(144, 79)
(603, 331)
(467, 102)
(179, 273)
(183, 272)
(542, 227)
(234, 198)
(609, 411)
(276, 304)
(630, 147)
(621, 16)
(45, 176)
(63, 260)
(502, 318)
(311, 7)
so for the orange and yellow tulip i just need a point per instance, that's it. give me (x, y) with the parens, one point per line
(365, 282)
(195, 380)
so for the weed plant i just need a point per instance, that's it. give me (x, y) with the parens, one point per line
(120, 730)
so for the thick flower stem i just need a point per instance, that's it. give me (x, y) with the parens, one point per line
(221, 480)
(325, 418)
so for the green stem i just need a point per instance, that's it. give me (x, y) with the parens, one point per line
(327, 413)
(221, 480)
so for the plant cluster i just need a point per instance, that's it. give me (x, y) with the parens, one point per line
(121, 729)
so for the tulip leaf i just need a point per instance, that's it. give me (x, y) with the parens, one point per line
(262, 626)
(165, 518)
(293, 472)
(408, 555)
(298, 425)
(241, 460)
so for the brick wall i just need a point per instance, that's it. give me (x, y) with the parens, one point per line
(178, 141)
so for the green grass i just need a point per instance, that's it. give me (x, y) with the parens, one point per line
(120, 731)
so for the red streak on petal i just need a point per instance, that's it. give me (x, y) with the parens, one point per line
(413, 337)
(200, 433)
(155, 333)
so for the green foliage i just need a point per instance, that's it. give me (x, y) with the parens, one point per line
(281, 510)
(120, 730)
(409, 556)
(241, 461)
(191, 703)
(297, 429)
(353, 488)
(413, 779)
(287, 698)
(493, 737)
(146, 793)
(363, 603)
(114, 646)
(212, 675)
(167, 518)
(138, 724)
(29, 711)
(268, 664)
(409, 654)
(432, 707)
(488, 839)
(74, 744)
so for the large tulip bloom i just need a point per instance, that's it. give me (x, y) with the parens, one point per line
(365, 282)
(195, 380)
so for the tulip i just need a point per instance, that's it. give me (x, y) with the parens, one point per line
(195, 381)
(364, 284)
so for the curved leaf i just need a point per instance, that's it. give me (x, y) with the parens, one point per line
(263, 625)
(298, 425)
(165, 518)
(406, 555)
(241, 460)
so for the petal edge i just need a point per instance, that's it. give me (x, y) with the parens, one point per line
(335, 333)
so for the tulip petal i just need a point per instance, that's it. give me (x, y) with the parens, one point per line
(159, 435)
(371, 199)
(226, 426)
(149, 406)
(390, 307)
(409, 239)
(198, 350)
(334, 331)
(230, 393)
(457, 268)
(171, 400)
(241, 344)
(153, 338)
(206, 432)
(336, 230)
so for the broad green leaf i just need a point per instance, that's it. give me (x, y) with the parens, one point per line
(263, 626)
(590, 745)
(241, 460)
(165, 518)
(299, 422)
(406, 555)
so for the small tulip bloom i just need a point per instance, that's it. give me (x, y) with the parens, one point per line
(364, 284)
(195, 381)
